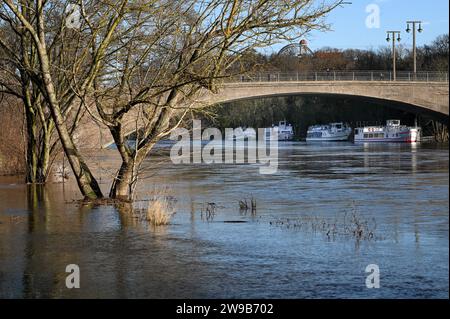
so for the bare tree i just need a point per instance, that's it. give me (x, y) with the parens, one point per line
(59, 51)
(18, 61)
(147, 61)
(162, 59)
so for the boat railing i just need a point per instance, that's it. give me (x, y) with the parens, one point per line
(368, 123)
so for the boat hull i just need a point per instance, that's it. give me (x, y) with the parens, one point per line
(386, 140)
(328, 139)
(337, 137)
(285, 137)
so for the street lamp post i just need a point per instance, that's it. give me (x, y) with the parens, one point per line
(393, 34)
(408, 29)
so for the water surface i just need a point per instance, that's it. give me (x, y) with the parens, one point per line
(402, 190)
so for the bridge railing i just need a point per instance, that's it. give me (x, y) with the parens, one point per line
(311, 76)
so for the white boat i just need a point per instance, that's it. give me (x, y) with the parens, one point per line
(333, 132)
(284, 131)
(392, 132)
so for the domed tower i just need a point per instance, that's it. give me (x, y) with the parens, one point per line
(299, 50)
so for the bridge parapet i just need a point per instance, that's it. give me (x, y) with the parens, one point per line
(366, 76)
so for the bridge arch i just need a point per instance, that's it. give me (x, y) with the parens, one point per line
(408, 107)
(415, 96)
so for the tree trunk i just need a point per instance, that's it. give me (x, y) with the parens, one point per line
(31, 154)
(122, 187)
(44, 158)
(85, 179)
(126, 178)
(38, 151)
(38, 126)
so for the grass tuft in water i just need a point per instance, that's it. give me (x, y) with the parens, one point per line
(208, 211)
(158, 212)
(156, 208)
(245, 205)
(348, 224)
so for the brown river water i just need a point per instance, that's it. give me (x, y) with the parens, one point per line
(283, 250)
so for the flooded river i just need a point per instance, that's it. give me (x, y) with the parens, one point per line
(299, 243)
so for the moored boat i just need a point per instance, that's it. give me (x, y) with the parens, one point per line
(392, 132)
(333, 132)
(284, 131)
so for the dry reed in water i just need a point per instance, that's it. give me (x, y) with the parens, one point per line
(158, 212)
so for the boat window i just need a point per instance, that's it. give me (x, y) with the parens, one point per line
(315, 135)
(356, 131)
(366, 135)
(370, 135)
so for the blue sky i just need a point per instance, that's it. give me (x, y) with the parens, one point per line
(350, 31)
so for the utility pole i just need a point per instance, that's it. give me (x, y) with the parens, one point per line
(408, 29)
(394, 58)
